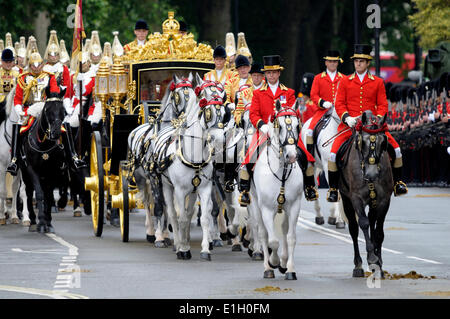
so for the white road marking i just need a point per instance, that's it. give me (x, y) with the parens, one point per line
(50, 251)
(304, 223)
(60, 294)
(67, 277)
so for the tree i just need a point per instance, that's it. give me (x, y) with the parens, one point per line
(431, 21)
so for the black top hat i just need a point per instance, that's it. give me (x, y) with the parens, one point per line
(333, 55)
(272, 63)
(256, 68)
(241, 61)
(7, 55)
(141, 25)
(219, 52)
(307, 82)
(183, 26)
(362, 51)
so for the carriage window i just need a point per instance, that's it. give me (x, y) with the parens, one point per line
(154, 83)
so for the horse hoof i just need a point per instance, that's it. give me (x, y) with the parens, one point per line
(291, 276)
(236, 247)
(340, 225)
(245, 243)
(26, 223)
(205, 256)
(77, 213)
(168, 242)
(269, 274)
(42, 229)
(151, 238)
(179, 255)
(250, 252)
(332, 220)
(60, 209)
(282, 270)
(32, 228)
(320, 221)
(50, 229)
(223, 236)
(358, 273)
(257, 256)
(211, 247)
(217, 243)
(2, 221)
(186, 255)
(160, 244)
(15, 221)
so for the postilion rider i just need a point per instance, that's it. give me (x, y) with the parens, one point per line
(357, 93)
(323, 93)
(262, 107)
(29, 101)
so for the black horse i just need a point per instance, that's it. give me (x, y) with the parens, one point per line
(44, 160)
(366, 180)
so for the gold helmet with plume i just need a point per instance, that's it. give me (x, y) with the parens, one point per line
(96, 47)
(242, 47)
(52, 46)
(64, 57)
(230, 44)
(107, 53)
(117, 48)
(9, 43)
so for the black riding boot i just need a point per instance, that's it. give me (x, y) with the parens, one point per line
(244, 188)
(309, 185)
(399, 186)
(229, 178)
(333, 181)
(310, 148)
(15, 150)
(70, 148)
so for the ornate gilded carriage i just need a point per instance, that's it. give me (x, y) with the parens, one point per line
(131, 93)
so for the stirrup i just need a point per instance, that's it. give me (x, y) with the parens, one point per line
(229, 186)
(400, 188)
(244, 199)
(78, 163)
(332, 195)
(311, 193)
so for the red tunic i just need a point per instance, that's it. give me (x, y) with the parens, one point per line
(22, 83)
(263, 107)
(323, 89)
(311, 109)
(353, 98)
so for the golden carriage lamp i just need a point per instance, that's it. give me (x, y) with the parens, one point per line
(101, 85)
(117, 83)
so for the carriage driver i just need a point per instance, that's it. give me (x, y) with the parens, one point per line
(357, 93)
(29, 101)
(262, 107)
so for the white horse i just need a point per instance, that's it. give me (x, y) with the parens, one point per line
(175, 101)
(278, 187)
(190, 171)
(5, 158)
(322, 154)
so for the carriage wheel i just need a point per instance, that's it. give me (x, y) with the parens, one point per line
(124, 210)
(95, 184)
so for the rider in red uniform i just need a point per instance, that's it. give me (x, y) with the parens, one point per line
(261, 109)
(323, 93)
(357, 93)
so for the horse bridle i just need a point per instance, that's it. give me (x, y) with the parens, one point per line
(214, 105)
(175, 96)
(290, 136)
(44, 115)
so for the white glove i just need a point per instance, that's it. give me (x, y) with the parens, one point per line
(80, 77)
(264, 129)
(351, 121)
(327, 104)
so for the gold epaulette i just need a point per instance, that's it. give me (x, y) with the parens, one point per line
(324, 74)
(283, 87)
(340, 75)
(351, 77)
(264, 87)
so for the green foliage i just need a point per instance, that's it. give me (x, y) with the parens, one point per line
(432, 21)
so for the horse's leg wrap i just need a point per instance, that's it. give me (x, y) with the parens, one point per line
(15, 150)
(70, 147)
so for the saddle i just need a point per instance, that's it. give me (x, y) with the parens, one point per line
(323, 122)
(343, 153)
